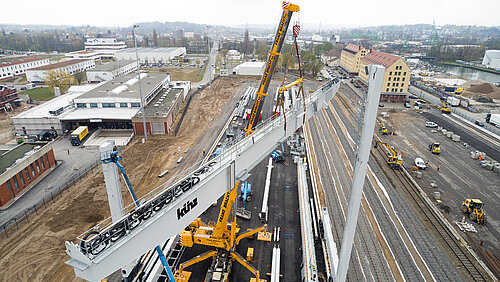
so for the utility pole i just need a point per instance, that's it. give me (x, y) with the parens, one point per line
(140, 89)
(209, 67)
(375, 78)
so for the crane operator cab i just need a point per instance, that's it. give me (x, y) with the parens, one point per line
(435, 148)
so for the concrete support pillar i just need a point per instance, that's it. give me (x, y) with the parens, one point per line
(375, 79)
(112, 180)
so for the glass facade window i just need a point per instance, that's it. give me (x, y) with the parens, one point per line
(41, 161)
(37, 166)
(27, 173)
(15, 182)
(135, 105)
(9, 185)
(22, 178)
(32, 170)
(47, 159)
(81, 105)
(123, 105)
(93, 105)
(108, 105)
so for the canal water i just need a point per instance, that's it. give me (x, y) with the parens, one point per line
(471, 73)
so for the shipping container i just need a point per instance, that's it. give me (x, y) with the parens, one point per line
(453, 101)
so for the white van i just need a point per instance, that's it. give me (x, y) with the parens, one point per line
(420, 163)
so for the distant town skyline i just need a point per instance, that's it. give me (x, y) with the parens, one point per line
(337, 14)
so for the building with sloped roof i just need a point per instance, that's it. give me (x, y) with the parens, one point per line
(350, 58)
(70, 67)
(19, 67)
(396, 77)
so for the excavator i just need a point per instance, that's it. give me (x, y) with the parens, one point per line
(394, 159)
(383, 129)
(445, 109)
(221, 235)
(474, 207)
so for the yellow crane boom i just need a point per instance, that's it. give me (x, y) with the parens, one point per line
(272, 59)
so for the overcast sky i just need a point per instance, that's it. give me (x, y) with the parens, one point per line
(340, 13)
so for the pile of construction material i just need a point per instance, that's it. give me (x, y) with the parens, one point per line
(486, 164)
(466, 226)
(450, 134)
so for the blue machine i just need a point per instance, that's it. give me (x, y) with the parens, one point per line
(246, 192)
(277, 156)
(115, 158)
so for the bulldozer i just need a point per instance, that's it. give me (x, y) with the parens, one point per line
(435, 148)
(474, 207)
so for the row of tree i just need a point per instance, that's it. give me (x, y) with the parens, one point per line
(42, 42)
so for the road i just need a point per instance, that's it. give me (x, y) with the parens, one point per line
(211, 60)
(71, 165)
(391, 242)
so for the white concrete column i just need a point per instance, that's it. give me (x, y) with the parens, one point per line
(112, 179)
(375, 79)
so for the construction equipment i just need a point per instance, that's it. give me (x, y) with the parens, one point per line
(221, 235)
(394, 159)
(246, 192)
(474, 207)
(288, 10)
(445, 108)
(383, 129)
(277, 156)
(435, 148)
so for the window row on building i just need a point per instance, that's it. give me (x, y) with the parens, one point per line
(108, 105)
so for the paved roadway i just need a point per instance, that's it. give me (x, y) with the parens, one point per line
(331, 133)
(71, 164)
(460, 176)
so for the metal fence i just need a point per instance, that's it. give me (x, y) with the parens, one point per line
(23, 217)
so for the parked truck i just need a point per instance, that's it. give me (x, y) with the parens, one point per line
(78, 135)
(493, 119)
(452, 101)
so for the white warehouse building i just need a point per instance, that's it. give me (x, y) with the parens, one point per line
(19, 67)
(70, 67)
(106, 47)
(250, 68)
(111, 70)
(492, 58)
(151, 55)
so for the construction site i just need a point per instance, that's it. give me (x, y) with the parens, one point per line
(277, 178)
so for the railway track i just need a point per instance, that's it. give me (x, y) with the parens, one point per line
(399, 179)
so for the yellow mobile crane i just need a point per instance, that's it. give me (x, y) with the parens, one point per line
(394, 159)
(288, 10)
(221, 235)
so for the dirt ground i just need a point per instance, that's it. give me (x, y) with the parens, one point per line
(6, 129)
(36, 251)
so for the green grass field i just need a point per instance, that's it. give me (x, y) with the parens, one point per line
(39, 93)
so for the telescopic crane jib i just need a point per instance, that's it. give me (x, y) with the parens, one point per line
(272, 59)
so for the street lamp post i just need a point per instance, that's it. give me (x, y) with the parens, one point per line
(140, 89)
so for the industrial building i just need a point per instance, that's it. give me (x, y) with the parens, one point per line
(111, 70)
(8, 99)
(350, 58)
(106, 47)
(108, 105)
(19, 67)
(492, 58)
(162, 110)
(23, 166)
(70, 67)
(396, 76)
(149, 55)
(249, 68)
(84, 54)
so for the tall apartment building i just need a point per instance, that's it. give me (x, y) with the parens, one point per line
(350, 58)
(396, 77)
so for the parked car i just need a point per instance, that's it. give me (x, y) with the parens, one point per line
(380, 105)
(431, 124)
(407, 105)
(420, 163)
(412, 97)
(480, 123)
(422, 101)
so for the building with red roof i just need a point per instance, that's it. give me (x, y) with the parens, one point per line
(350, 58)
(396, 77)
(19, 67)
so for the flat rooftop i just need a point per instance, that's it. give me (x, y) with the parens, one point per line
(161, 104)
(42, 110)
(10, 157)
(21, 61)
(126, 86)
(61, 64)
(150, 50)
(112, 66)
